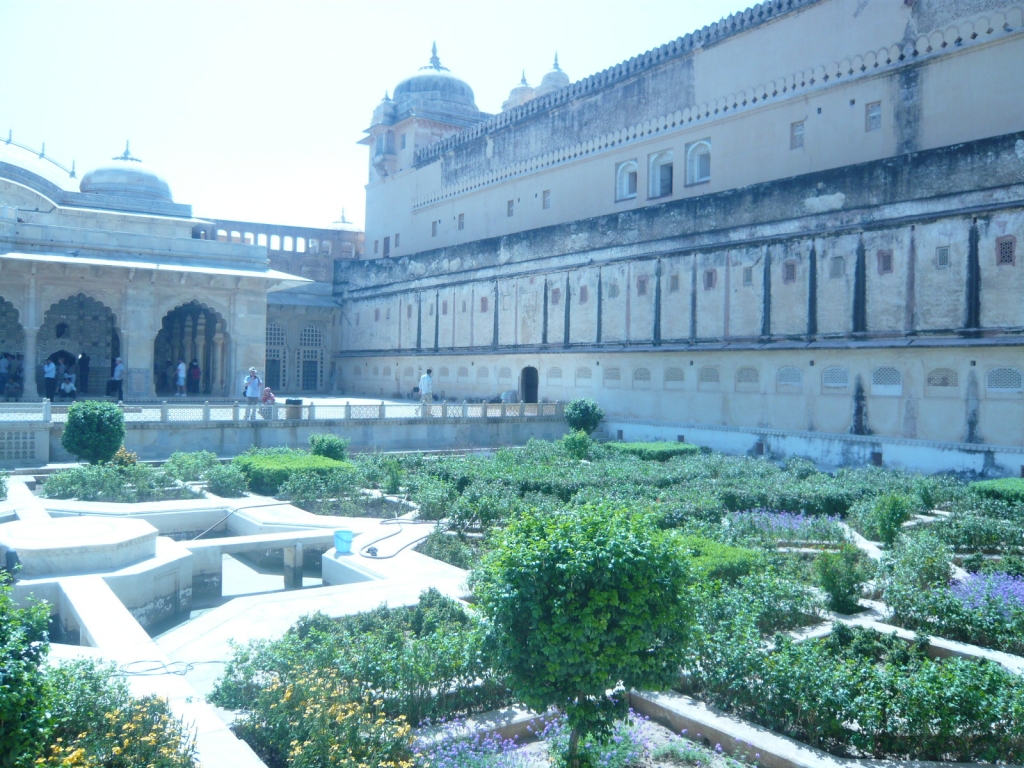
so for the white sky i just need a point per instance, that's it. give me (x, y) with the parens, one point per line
(251, 110)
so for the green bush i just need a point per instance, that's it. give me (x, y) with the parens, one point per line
(714, 560)
(583, 414)
(225, 481)
(115, 484)
(23, 689)
(331, 446)
(267, 470)
(434, 497)
(3, 486)
(577, 444)
(190, 466)
(448, 548)
(654, 451)
(1005, 489)
(321, 491)
(841, 575)
(94, 430)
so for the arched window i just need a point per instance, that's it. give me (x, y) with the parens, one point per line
(482, 372)
(300, 244)
(314, 245)
(659, 174)
(357, 371)
(1003, 380)
(222, 235)
(698, 162)
(584, 376)
(287, 242)
(387, 372)
(747, 376)
(554, 375)
(311, 336)
(641, 378)
(942, 377)
(275, 242)
(612, 377)
(443, 373)
(886, 381)
(708, 378)
(835, 377)
(275, 335)
(407, 372)
(261, 239)
(504, 373)
(625, 180)
(463, 373)
(790, 378)
(376, 371)
(674, 378)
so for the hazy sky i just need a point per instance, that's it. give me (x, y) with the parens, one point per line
(252, 110)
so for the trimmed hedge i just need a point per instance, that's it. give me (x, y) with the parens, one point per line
(94, 430)
(1004, 489)
(267, 471)
(714, 560)
(654, 451)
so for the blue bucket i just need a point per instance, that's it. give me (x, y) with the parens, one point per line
(343, 542)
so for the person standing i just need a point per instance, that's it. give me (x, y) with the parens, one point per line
(49, 379)
(118, 379)
(195, 375)
(253, 388)
(83, 373)
(427, 387)
(179, 377)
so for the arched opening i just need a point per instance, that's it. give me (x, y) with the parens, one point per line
(12, 352)
(81, 333)
(277, 357)
(528, 381)
(311, 355)
(196, 335)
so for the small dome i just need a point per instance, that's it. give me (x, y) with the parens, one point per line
(435, 90)
(126, 176)
(519, 95)
(344, 225)
(555, 80)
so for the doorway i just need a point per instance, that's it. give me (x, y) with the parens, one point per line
(528, 380)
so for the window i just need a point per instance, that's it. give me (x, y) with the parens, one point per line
(442, 374)
(444, 307)
(708, 378)
(886, 381)
(789, 272)
(387, 372)
(942, 257)
(403, 141)
(463, 373)
(300, 243)
(836, 267)
(556, 296)
(376, 246)
(462, 221)
(376, 371)
(625, 180)
(1004, 380)
(942, 377)
(641, 285)
(873, 116)
(545, 199)
(357, 371)
(642, 378)
(407, 373)
(673, 284)
(747, 376)
(748, 276)
(584, 294)
(433, 229)
(835, 377)
(504, 373)
(326, 246)
(1006, 251)
(710, 279)
(311, 336)
(698, 162)
(397, 239)
(261, 240)
(275, 335)
(884, 262)
(510, 208)
(376, 315)
(612, 375)
(408, 311)
(613, 290)
(673, 378)
(222, 235)
(482, 372)
(483, 303)
(463, 305)
(659, 174)
(288, 243)
(387, 246)
(554, 375)
(275, 242)
(796, 135)
(236, 237)
(583, 376)
(314, 245)
(790, 378)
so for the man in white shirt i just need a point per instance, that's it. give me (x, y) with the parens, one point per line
(117, 378)
(180, 378)
(50, 379)
(253, 391)
(427, 388)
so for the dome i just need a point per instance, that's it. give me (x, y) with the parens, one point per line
(126, 176)
(435, 91)
(555, 80)
(519, 95)
(344, 225)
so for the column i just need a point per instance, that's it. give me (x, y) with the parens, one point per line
(29, 374)
(218, 363)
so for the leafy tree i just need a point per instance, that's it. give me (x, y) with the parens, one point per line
(331, 446)
(841, 574)
(583, 601)
(23, 689)
(583, 414)
(94, 430)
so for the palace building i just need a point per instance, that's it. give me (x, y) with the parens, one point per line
(804, 219)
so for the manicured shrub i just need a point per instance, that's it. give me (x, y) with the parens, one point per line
(124, 458)
(191, 466)
(331, 446)
(1005, 489)
(583, 414)
(654, 451)
(106, 482)
(576, 444)
(94, 430)
(433, 496)
(561, 647)
(448, 548)
(841, 575)
(267, 470)
(714, 560)
(225, 481)
(321, 491)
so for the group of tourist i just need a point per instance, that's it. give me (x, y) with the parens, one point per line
(183, 379)
(11, 367)
(65, 376)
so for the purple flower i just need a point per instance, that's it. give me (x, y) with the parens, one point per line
(1000, 591)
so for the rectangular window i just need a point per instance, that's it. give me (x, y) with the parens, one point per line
(665, 179)
(396, 239)
(942, 257)
(376, 315)
(462, 221)
(483, 303)
(463, 305)
(408, 311)
(625, 180)
(641, 286)
(698, 162)
(545, 199)
(556, 296)
(710, 278)
(260, 239)
(275, 242)
(430, 312)
(873, 116)
(510, 208)
(433, 229)
(789, 272)
(884, 262)
(444, 307)
(796, 135)
(836, 267)
(1006, 251)
(403, 141)
(659, 174)
(376, 246)
(387, 246)
(673, 284)
(584, 294)
(631, 183)
(748, 275)
(287, 242)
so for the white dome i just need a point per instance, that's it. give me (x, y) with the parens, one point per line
(344, 225)
(555, 80)
(126, 176)
(519, 95)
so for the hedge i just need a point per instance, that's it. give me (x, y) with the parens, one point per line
(714, 560)
(1005, 489)
(267, 471)
(655, 451)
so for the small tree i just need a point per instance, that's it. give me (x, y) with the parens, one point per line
(581, 602)
(331, 446)
(94, 431)
(583, 414)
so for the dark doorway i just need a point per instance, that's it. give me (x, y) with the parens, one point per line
(310, 373)
(273, 375)
(528, 381)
